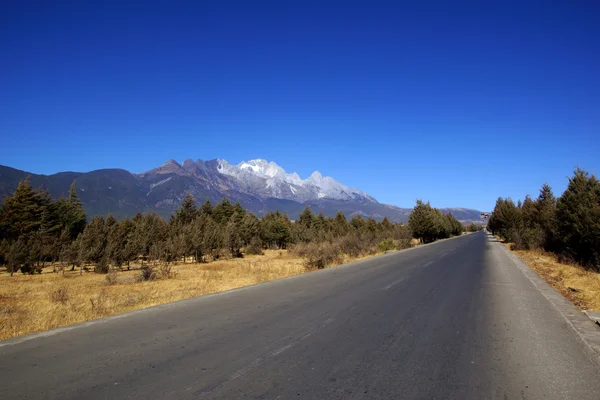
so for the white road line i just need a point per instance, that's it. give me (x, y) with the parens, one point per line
(260, 360)
(397, 281)
(428, 264)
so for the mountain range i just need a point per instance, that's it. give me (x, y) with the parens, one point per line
(258, 185)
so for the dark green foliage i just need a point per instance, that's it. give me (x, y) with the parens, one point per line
(569, 226)
(39, 230)
(506, 220)
(92, 245)
(578, 219)
(32, 217)
(233, 235)
(276, 230)
(223, 211)
(474, 228)
(429, 224)
(186, 213)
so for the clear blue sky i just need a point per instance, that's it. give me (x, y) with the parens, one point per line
(451, 102)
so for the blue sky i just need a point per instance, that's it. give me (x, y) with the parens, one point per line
(453, 102)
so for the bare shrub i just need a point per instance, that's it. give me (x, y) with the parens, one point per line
(111, 277)
(319, 256)
(402, 232)
(352, 245)
(386, 245)
(404, 244)
(147, 273)
(151, 273)
(60, 295)
(165, 271)
(255, 247)
(99, 303)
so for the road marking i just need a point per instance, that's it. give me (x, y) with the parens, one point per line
(397, 281)
(428, 264)
(260, 360)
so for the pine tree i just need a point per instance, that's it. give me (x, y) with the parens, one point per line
(578, 218)
(21, 211)
(386, 225)
(545, 206)
(223, 211)
(250, 228)
(186, 213)
(74, 217)
(206, 208)
(92, 246)
(18, 255)
(213, 240)
(530, 212)
(116, 244)
(233, 237)
(423, 222)
(340, 225)
(358, 223)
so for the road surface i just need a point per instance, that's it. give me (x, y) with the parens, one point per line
(452, 320)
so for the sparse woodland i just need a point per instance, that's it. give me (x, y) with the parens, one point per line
(37, 230)
(568, 226)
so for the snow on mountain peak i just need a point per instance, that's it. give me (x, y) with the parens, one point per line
(268, 178)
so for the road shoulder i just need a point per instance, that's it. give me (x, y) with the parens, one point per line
(584, 327)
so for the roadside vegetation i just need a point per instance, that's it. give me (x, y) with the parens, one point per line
(60, 269)
(558, 238)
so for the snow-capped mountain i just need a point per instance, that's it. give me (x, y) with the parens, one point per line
(270, 180)
(258, 185)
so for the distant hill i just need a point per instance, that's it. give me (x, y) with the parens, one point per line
(259, 185)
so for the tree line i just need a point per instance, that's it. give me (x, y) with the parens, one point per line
(430, 224)
(36, 230)
(568, 226)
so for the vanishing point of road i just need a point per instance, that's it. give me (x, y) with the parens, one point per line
(457, 319)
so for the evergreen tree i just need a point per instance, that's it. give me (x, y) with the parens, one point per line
(358, 223)
(423, 222)
(213, 240)
(578, 218)
(386, 225)
(186, 213)
(206, 209)
(276, 229)
(233, 237)
(529, 212)
(92, 246)
(545, 216)
(21, 212)
(116, 246)
(250, 228)
(74, 218)
(18, 255)
(198, 232)
(223, 211)
(340, 225)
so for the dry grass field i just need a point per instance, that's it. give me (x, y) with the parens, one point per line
(580, 286)
(30, 303)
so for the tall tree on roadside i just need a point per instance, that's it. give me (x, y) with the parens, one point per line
(423, 222)
(578, 218)
(545, 206)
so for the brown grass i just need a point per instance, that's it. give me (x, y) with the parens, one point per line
(30, 303)
(578, 285)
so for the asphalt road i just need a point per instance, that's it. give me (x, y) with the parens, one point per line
(452, 320)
